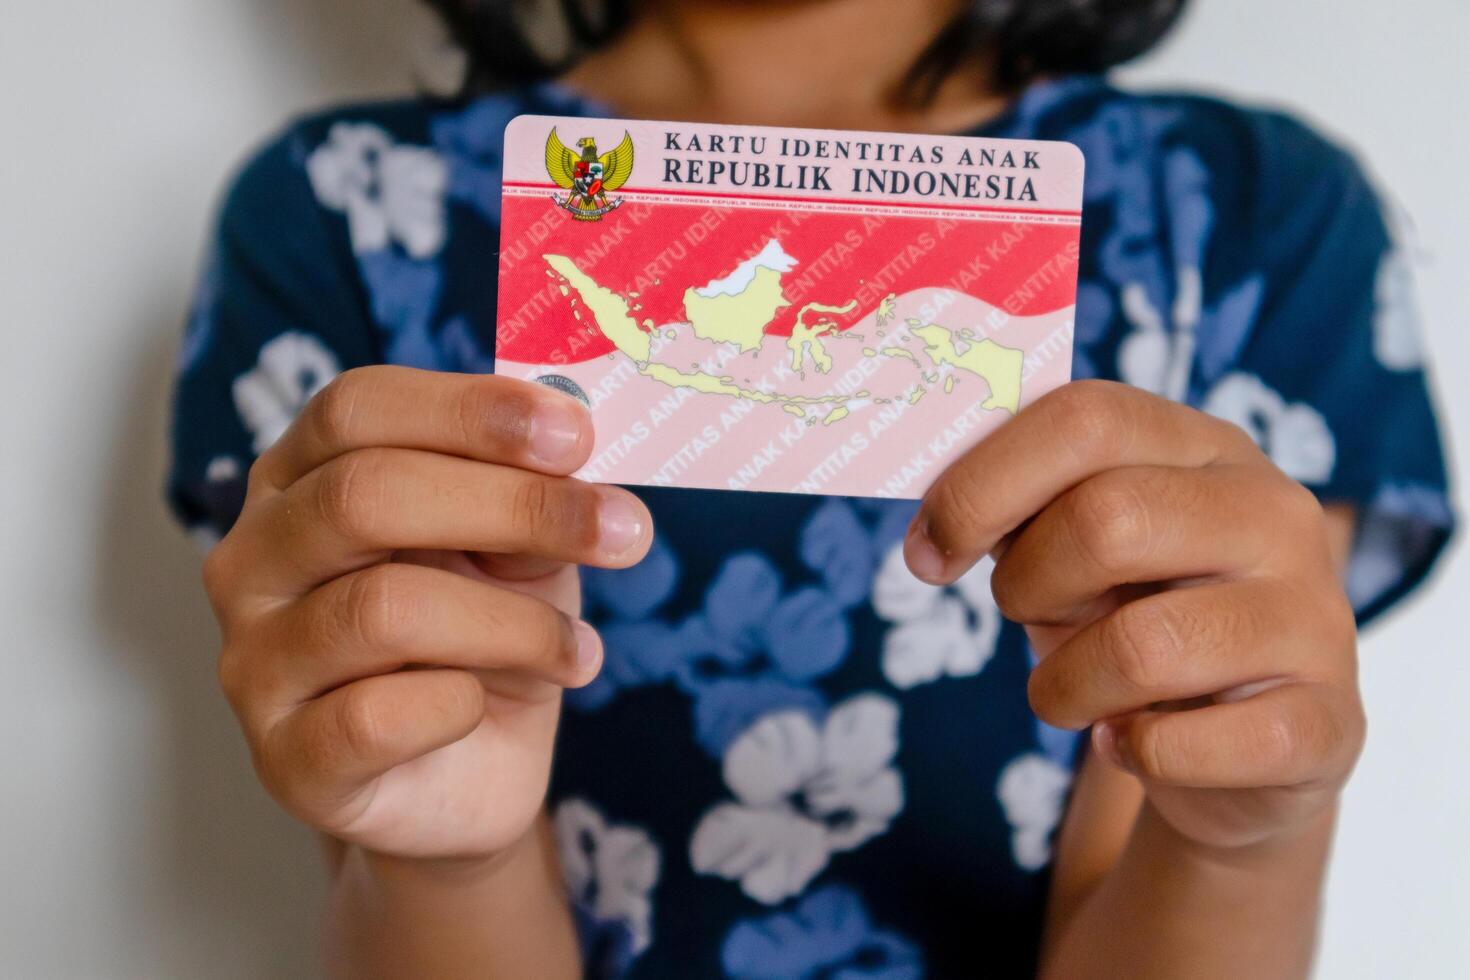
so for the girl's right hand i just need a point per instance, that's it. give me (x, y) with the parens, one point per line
(400, 608)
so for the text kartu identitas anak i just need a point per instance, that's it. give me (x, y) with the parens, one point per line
(858, 166)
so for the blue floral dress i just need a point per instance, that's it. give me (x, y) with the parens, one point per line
(799, 761)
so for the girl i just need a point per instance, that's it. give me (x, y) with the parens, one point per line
(792, 736)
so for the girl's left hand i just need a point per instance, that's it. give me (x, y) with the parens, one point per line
(1180, 593)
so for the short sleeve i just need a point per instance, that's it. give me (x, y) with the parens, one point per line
(1331, 380)
(278, 313)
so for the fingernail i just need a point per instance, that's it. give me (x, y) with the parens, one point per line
(1105, 741)
(619, 525)
(589, 647)
(922, 555)
(556, 429)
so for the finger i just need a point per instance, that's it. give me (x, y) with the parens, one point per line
(515, 568)
(318, 757)
(359, 508)
(481, 564)
(1147, 524)
(1287, 736)
(1072, 434)
(1182, 644)
(392, 615)
(484, 417)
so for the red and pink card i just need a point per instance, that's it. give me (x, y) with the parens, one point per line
(803, 311)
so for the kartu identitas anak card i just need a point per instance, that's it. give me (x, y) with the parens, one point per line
(809, 311)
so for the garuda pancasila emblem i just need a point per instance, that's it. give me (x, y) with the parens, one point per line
(588, 177)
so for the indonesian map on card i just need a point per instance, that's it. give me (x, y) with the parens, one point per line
(806, 311)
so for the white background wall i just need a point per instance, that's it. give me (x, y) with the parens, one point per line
(133, 842)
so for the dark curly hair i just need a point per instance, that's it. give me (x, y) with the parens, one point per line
(1026, 38)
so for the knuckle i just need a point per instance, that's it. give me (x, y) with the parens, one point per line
(557, 640)
(464, 696)
(1109, 523)
(359, 726)
(500, 412)
(218, 573)
(1049, 692)
(296, 760)
(231, 675)
(1328, 735)
(1355, 732)
(1234, 438)
(278, 760)
(382, 609)
(956, 506)
(557, 509)
(1301, 506)
(1156, 752)
(534, 504)
(221, 574)
(1090, 418)
(333, 412)
(1340, 628)
(349, 492)
(1143, 645)
(1079, 395)
(1008, 589)
(1337, 733)
(258, 477)
(251, 682)
(279, 779)
(1279, 738)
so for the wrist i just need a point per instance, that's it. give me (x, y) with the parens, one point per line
(1245, 852)
(500, 915)
(443, 870)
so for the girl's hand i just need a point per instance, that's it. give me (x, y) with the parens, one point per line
(399, 605)
(1181, 596)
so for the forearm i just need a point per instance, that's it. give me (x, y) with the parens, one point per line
(399, 918)
(1172, 908)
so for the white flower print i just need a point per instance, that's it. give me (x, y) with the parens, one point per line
(222, 469)
(1396, 314)
(938, 631)
(291, 369)
(204, 538)
(802, 794)
(611, 869)
(1153, 357)
(1032, 791)
(389, 191)
(1294, 435)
